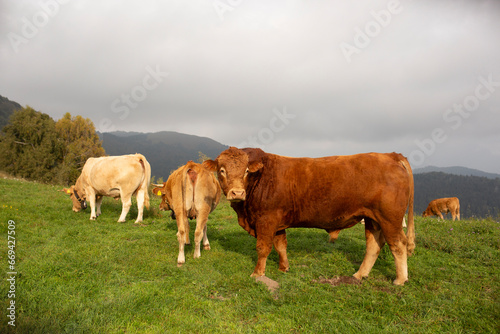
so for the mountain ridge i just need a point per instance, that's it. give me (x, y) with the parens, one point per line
(456, 170)
(165, 150)
(7, 108)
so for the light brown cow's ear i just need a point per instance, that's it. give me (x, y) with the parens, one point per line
(255, 166)
(211, 165)
(66, 191)
(157, 191)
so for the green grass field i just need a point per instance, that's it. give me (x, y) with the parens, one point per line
(80, 276)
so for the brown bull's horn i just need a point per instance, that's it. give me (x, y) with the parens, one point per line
(157, 185)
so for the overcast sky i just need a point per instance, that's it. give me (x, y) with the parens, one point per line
(296, 78)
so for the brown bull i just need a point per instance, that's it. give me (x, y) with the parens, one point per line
(191, 191)
(271, 193)
(445, 205)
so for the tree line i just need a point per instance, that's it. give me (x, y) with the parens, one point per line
(36, 147)
(479, 196)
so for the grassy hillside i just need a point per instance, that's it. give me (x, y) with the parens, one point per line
(80, 276)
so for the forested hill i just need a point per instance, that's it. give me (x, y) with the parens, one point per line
(165, 151)
(7, 108)
(479, 196)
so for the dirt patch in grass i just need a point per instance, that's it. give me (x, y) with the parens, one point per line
(336, 281)
(272, 285)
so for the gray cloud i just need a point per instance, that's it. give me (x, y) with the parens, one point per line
(229, 69)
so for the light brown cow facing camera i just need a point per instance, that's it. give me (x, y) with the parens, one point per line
(443, 205)
(190, 192)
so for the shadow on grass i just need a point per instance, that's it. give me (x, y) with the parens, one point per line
(307, 242)
(225, 232)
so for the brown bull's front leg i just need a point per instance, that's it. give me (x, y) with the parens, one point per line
(264, 247)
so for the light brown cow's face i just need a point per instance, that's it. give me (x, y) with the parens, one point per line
(161, 191)
(233, 170)
(77, 197)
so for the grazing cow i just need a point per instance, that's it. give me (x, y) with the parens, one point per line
(190, 192)
(115, 176)
(271, 193)
(446, 205)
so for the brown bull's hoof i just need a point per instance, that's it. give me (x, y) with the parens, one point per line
(256, 275)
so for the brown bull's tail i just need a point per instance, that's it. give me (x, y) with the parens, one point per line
(147, 178)
(410, 231)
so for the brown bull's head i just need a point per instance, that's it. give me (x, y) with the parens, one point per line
(78, 197)
(233, 167)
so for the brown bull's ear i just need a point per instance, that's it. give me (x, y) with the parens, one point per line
(157, 191)
(255, 166)
(211, 165)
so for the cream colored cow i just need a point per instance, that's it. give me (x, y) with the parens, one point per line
(115, 176)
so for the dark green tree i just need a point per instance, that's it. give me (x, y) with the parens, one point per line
(79, 142)
(35, 147)
(29, 145)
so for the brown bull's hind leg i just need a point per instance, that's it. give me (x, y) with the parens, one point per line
(398, 243)
(280, 244)
(399, 251)
(374, 242)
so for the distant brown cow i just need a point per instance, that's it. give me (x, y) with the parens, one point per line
(190, 192)
(271, 193)
(446, 205)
